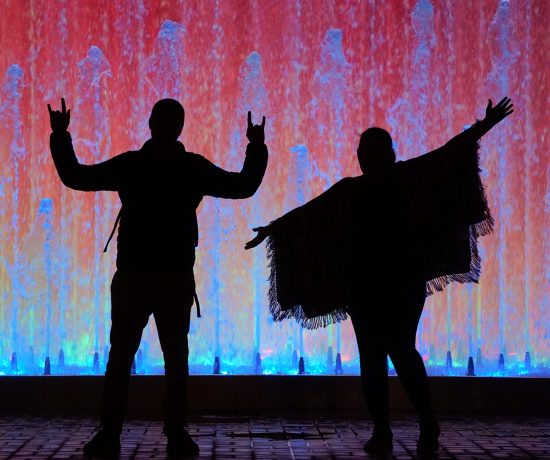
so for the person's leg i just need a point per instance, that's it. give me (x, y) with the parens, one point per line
(172, 313)
(402, 349)
(374, 371)
(409, 364)
(129, 316)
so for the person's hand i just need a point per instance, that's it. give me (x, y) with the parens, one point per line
(262, 234)
(59, 121)
(499, 112)
(255, 133)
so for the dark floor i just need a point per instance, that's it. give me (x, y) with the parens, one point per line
(280, 438)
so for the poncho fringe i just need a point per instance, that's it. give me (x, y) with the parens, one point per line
(297, 312)
(475, 231)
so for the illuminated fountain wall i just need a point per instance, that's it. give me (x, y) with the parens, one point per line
(321, 72)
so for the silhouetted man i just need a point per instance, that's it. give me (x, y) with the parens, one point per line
(373, 246)
(160, 187)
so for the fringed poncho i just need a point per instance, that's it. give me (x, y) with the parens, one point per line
(443, 208)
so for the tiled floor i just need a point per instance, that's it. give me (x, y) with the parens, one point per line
(280, 438)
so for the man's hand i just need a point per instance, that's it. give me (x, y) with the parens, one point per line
(59, 121)
(263, 233)
(499, 112)
(255, 133)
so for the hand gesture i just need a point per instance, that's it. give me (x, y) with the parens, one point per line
(255, 133)
(499, 112)
(59, 121)
(263, 233)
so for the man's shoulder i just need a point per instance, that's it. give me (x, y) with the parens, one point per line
(129, 153)
(192, 156)
(127, 157)
(197, 160)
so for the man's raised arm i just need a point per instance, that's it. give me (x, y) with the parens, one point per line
(102, 176)
(223, 184)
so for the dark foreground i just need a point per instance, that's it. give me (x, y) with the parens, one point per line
(280, 438)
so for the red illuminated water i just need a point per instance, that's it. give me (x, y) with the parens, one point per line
(321, 72)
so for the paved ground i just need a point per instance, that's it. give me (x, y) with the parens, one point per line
(280, 438)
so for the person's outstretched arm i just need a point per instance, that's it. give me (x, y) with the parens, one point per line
(101, 176)
(224, 184)
(264, 232)
(261, 234)
(493, 116)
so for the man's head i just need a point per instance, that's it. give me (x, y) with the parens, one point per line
(375, 152)
(167, 119)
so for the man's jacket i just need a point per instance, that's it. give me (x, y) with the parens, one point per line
(160, 190)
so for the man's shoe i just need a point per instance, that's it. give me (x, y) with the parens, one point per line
(180, 444)
(428, 442)
(381, 442)
(103, 444)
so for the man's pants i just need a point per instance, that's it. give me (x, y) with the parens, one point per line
(134, 297)
(385, 324)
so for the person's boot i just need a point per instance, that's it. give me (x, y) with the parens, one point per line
(428, 441)
(380, 442)
(180, 443)
(104, 444)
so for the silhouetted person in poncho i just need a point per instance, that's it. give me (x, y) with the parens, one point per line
(160, 187)
(373, 246)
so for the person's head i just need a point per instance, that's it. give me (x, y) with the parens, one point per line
(375, 152)
(166, 120)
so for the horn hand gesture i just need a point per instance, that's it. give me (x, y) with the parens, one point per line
(255, 133)
(59, 121)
